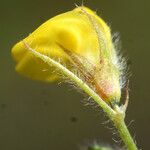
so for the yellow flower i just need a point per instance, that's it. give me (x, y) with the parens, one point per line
(80, 40)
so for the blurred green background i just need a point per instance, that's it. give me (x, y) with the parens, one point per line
(39, 116)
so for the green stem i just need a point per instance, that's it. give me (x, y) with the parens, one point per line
(124, 134)
(112, 114)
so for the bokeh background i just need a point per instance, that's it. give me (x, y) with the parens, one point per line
(39, 116)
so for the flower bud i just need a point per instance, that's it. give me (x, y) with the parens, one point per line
(81, 41)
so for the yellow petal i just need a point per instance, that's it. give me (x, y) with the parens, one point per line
(71, 31)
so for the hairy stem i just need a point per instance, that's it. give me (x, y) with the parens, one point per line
(124, 134)
(116, 116)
